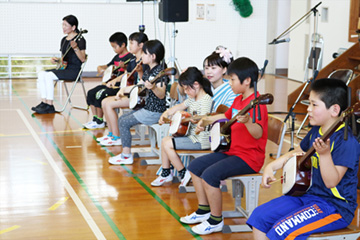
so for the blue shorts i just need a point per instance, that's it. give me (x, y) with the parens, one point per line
(214, 167)
(296, 217)
(147, 117)
(185, 143)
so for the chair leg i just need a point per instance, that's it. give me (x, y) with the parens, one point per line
(158, 132)
(251, 185)
(140, 137)
(84, 92)
(69, 94)
(68, 100)
(301, 126)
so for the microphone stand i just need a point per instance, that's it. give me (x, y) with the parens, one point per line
(315, 39)
(293, 115)
(142, 26)
(315, 73)
(262, 71)
(292, 27)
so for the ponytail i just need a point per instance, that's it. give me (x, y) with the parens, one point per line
(192, 75)
(72, 20)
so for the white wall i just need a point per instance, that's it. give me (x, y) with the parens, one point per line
(334, 32)
(35, 28)
(283, 22)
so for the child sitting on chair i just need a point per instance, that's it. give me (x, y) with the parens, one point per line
(198, 90)
(123, 60)
(330, 202)
(246, 154)
(155, 102)
(113, 103)
(215, 67)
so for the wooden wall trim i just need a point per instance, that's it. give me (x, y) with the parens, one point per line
(354, 19)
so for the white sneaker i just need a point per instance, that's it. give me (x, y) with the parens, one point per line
(195, 218)
(186, 179)
(88, 123)
(94, 125)
(119, 159)
(161, 180)
(206, 228)
(110, 142)
(106, 137)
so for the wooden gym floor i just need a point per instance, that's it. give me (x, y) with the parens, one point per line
(56, 182)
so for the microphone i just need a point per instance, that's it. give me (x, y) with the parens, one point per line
(83, 31)
(280, 41)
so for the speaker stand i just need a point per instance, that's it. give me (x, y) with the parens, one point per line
(142, 26)
(173, 62)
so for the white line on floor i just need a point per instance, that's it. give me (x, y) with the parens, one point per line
(90, 221)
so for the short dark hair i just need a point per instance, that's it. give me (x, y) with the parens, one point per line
(73, 21)
(139, 37)
(244, 67)
(119, 38)
(331, 91)
(155, 47)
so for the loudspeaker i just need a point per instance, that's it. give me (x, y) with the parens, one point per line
(174, 10)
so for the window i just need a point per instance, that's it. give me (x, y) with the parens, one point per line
(17, 66)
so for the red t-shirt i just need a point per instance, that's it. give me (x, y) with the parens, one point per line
(243, 145)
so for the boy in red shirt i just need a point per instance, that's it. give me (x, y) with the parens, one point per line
(245, 156)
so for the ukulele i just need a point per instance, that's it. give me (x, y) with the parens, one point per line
(128, 78)
(220, 132)
(180, 122)
(138, 92)
(297, 170)
(61, 64)
(109, 73)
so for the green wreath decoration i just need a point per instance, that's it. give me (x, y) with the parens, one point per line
(243, 7)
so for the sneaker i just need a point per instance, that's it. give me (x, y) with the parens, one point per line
(94, 125)
(38, 106)
(46, 108)
(111, 142)
(195, 218)
(103, 138)
(88, 123)
(161, 180)
(119, 159)
(206, 228)
(186, 179)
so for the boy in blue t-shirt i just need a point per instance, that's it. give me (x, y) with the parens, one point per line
(330, 202)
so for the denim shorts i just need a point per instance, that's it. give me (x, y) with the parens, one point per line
(185, 143)
(147, 117)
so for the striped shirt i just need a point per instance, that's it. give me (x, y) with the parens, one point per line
(201, 107)
(223, 95)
